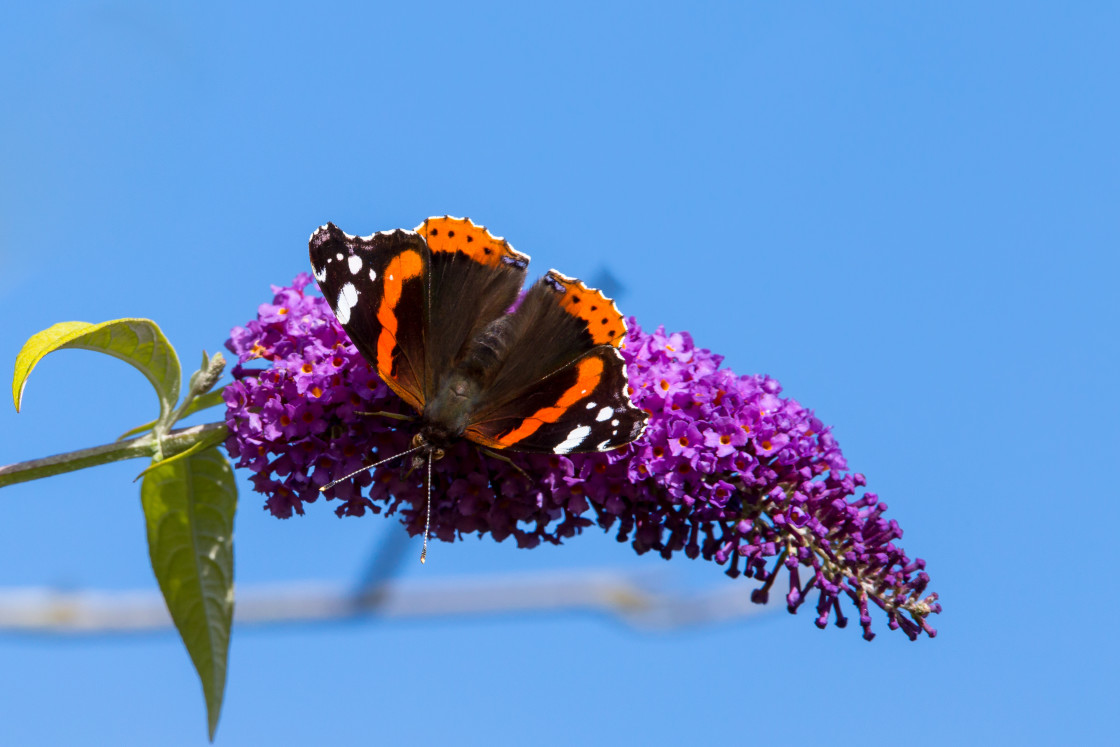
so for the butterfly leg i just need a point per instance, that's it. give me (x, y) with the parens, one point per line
(504, 458)
(382, 413)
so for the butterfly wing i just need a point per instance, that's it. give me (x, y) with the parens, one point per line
(473, 279)
(562, 387)
(377, 286)
(585, 406)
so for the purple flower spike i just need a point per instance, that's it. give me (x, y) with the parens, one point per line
(727, 470)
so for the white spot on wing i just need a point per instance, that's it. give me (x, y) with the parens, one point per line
(605, 413)
(604, 446)
(355, 263)
(321, 273)
(347, 299)
(574, 439)
(614, 422)
(372, 274)
(338, 256)
(591, 405)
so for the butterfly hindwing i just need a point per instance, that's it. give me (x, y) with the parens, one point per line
(377, 287)
(546, 333)
(584, 406)
(562, 386)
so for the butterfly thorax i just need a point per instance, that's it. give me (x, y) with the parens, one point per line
(447, 414)
(445, 417)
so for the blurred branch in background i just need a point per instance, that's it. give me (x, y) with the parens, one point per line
(637, 600)
(640, 600)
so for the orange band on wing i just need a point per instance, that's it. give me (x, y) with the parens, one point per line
(588, 373)
(402, 267)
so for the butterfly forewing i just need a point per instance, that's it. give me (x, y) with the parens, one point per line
(377, 287)
(474, 279)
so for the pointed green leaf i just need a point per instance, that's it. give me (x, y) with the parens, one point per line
(137, 430)
(189, 506)
(136, 341)
(203, 401)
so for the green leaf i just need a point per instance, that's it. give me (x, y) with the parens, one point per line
(189, 506)
(136, 341)
(203, 401)
(137, 430)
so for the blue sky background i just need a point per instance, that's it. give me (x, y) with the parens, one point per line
(907, 213)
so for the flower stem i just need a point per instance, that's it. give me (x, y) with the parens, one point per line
(141, 446)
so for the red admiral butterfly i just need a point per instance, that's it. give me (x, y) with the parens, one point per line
(429, 309)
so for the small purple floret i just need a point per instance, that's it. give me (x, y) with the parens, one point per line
(727, 469)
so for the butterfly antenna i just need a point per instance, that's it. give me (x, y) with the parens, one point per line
(375, 465)
(428, 519)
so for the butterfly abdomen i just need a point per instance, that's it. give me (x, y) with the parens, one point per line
(485, 353)
(450, 408)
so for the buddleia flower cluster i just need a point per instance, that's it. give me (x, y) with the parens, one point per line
(728, 470)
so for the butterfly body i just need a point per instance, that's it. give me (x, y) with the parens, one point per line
(430, 310)
(459, 391)
(446, 417)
